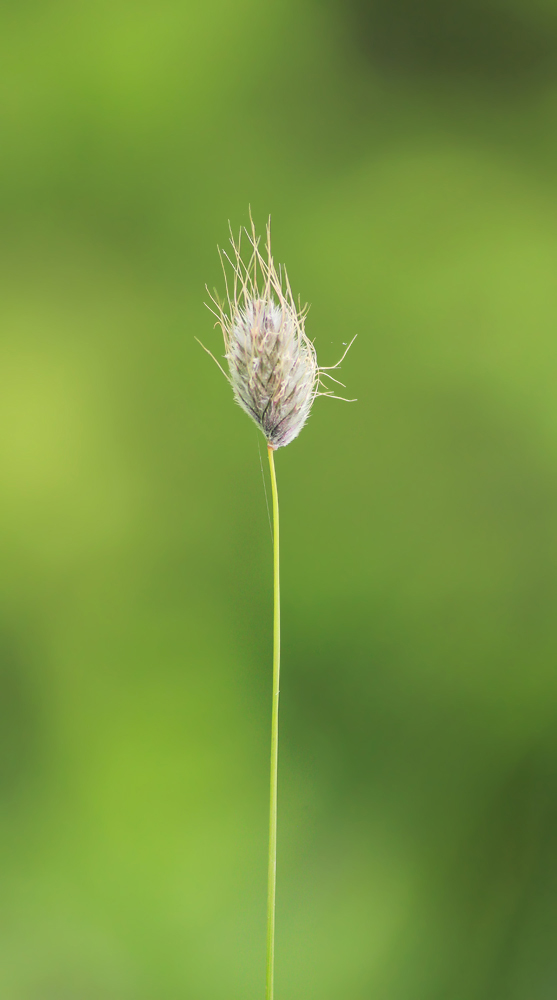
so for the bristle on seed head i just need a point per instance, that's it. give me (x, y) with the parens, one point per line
(272, 363)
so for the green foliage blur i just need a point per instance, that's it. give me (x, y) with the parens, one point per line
(407, 153)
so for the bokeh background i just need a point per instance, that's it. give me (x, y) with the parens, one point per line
(407, 152)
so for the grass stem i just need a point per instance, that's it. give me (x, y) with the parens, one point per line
(272, 876)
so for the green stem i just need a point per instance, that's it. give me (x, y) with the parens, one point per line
(272, 878)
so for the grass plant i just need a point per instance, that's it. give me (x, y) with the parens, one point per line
(275, 378)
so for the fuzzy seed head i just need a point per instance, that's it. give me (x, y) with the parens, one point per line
(272, 365)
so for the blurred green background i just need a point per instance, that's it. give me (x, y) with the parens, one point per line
(407, 153)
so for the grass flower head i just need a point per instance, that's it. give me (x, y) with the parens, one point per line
(272, 364)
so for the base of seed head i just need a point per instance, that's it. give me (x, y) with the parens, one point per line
(272, 364)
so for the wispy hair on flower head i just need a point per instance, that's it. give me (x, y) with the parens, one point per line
(272, 363)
